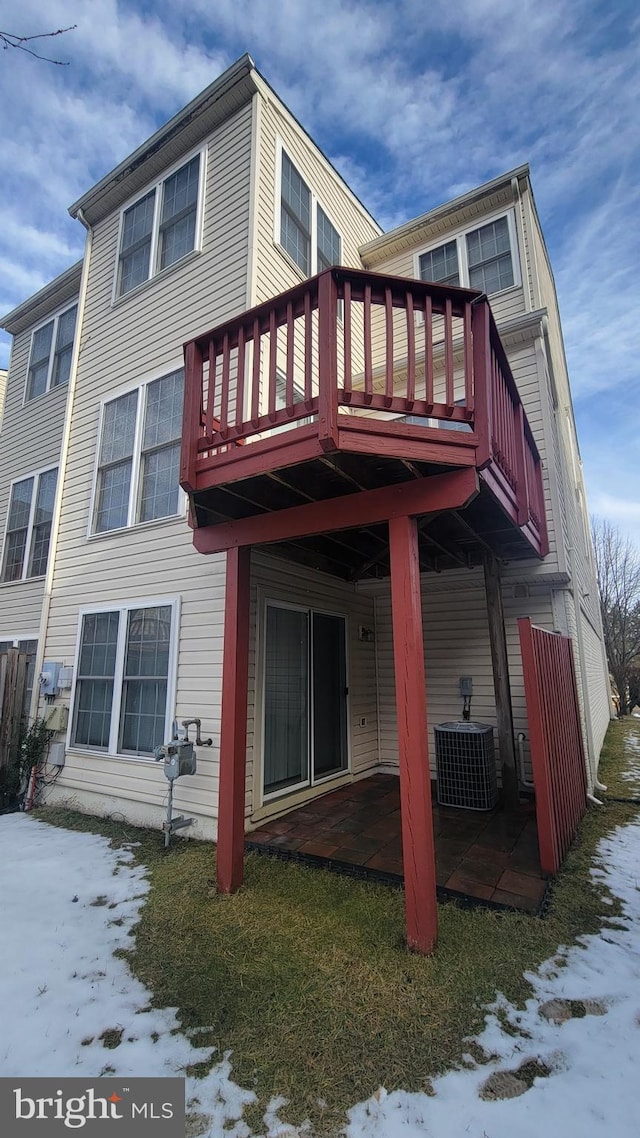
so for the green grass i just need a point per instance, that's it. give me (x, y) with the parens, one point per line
(304, 975)
(620, 737)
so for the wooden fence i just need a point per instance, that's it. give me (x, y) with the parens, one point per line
(555, 734)
(13, 679)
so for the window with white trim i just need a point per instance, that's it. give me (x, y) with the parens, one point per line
(50, 355)
(484, 258)
(305, 232)
(124, 679)
(28, 532)
(139, 455)
(160, 228)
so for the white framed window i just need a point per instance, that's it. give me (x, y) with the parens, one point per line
(485, 257)
(139, 455)
(28, 531)
(303, 228)
(124, 689)
(161, 227)
(50, 354)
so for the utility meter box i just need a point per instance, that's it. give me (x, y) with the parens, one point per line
(57, 719)
(49, 678)
(178, 758)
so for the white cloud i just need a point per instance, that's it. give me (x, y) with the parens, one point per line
(416, 102)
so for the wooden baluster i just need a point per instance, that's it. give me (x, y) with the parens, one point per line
(240, 379)
(346, 393)
(211, 390)
(290, 348)
(255, 377)
(224, 398)
(428, 353)
(411, 352)
(368, 368)
(388, 328)
(273, 361)
(468, 362)
(308, 350)
(450, 399)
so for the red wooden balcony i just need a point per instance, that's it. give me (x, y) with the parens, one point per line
(352, 382)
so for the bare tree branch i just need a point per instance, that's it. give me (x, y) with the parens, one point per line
(10, 39)
(618, 575)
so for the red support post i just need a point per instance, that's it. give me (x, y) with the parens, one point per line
(418, 849)
(327, 361)
(191, 415)
(482, 379)
(233, 729)
(522, 489)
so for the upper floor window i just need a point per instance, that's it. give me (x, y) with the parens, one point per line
(483, 258)
(124, 678)
(26, 543)
(441, 264)
(305, 232)
(159, 228)
(51, 351)
(139, 455)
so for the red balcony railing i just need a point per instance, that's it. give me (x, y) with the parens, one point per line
(350, 352)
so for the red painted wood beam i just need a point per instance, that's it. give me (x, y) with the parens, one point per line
(233, 728)
(451, 491)
(418, 851)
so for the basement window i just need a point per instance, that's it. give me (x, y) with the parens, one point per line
(125, 678)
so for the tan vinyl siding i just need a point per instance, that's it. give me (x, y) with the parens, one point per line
(278, 580)
(138, 337)
(30, 440)
(456, 639)
(599, 703)
(511, 302)
(275, 272)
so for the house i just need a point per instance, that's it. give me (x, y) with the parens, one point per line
(35, 403)
(322, 414)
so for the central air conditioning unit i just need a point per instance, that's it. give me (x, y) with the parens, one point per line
(466, 766)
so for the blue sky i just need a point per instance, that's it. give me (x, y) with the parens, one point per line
(414, 102)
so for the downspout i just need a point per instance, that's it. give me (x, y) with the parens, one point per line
(593, 780)
(64, 451)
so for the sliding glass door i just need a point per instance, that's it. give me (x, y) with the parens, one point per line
(305, 697)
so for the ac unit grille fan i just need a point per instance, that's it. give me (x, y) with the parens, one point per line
(466, 766)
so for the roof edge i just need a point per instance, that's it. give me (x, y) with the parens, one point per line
(46, 296)
(241, 69)
(409, 227)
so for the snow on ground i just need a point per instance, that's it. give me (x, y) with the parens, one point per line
(632, 749)
(68, 901)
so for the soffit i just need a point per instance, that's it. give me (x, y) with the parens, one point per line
(50, 298)
(444, 219)
(186, 130)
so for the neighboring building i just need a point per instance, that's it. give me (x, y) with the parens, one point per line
(31, 432)
(227, 206)
(3, 388)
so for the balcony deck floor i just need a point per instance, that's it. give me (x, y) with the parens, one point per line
(486, 856)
